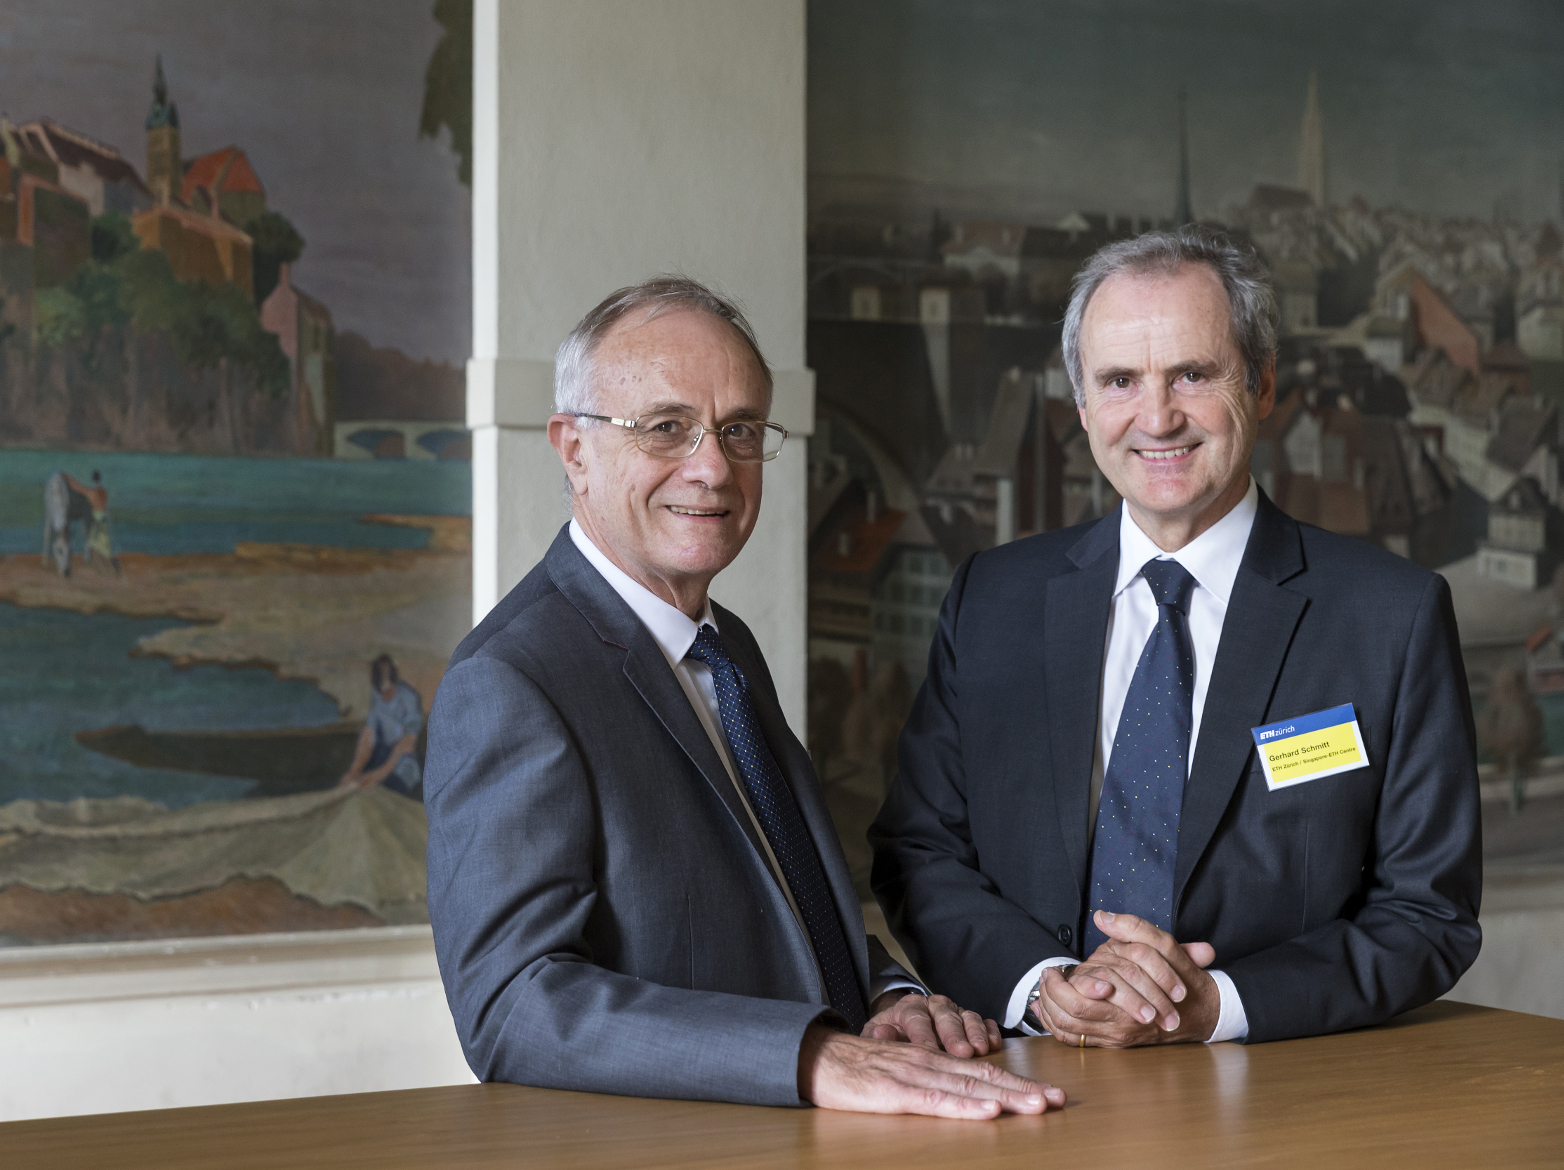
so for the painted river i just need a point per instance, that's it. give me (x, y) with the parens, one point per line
(62, 672)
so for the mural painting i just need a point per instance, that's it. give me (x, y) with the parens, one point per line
(1400, 168)
(234, 477)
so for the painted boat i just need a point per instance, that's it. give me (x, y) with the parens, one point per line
(281, 761)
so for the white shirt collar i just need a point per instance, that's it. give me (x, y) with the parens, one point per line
(670, 627)
(1212, 558)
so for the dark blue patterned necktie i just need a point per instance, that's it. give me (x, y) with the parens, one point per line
(783, 825)
(1136, 843)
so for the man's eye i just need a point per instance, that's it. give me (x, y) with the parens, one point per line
(1121, 383)
(666, 426)
(1194, 376)
(740, 430)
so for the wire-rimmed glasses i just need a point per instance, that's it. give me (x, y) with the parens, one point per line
(676, 436)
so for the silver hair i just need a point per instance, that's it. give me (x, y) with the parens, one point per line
(574, 391)
(1250, 298)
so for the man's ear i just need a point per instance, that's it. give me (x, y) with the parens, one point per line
(565, 438)
(1266, 398)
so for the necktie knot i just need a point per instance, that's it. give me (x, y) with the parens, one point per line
(708, 647)
(1171, 583)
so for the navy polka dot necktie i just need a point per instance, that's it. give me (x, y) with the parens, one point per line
(1136, 843)
(783, 825)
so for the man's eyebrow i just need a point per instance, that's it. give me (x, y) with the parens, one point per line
(684, 408)
(1190, 366)
(1113, 373)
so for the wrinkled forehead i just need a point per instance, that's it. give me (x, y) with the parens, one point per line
(1151, 310)
(681, 358)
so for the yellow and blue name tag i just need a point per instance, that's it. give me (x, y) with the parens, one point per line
(1310, 746)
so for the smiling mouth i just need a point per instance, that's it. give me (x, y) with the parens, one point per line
(1173, 453)
(678, 511)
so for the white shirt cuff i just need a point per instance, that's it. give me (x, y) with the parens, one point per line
(878, 987)
(1232, 1023)
(1017, 1006)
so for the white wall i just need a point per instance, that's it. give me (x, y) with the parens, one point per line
(110, 1027)
(1521, 966)
(614, 140)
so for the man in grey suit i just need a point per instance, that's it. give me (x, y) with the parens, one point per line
(633, 879)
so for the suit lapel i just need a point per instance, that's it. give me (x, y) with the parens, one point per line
(646, 668)
(1076, 635)
(1256, 634)
(648, 672)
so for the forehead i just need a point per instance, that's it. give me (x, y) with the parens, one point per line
(682, 356)
(1151, 311)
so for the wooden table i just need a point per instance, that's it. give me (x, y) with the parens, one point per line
(1447, 1085)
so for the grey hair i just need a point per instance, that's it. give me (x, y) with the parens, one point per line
(574, 392)
(1250, 298)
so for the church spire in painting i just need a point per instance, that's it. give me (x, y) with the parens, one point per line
(1311, 146)
(1182, 213)
(164, 170)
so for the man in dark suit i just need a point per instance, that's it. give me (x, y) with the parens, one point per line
(1194, 771)
(634, 882)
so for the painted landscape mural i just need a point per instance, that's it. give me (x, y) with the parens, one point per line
(1398, 165)
(234, 477)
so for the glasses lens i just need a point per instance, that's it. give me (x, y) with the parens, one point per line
(771, 437)
(752, 442)
(742, 441)
(668, 435)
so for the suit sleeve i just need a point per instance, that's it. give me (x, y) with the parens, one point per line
(965, 938)
(1416, 930)
(513, 843)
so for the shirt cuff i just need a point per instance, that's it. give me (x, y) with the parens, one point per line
(1017, 1006)
(1232, 1023)
(878, 987)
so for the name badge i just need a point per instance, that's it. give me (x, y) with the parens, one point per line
(1310, 746)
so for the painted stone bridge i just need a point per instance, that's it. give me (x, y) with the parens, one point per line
(401, 439)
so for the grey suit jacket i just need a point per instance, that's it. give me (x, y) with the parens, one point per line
(603, 916)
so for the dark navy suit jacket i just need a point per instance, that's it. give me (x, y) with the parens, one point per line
(602, 914)
(1334, 903)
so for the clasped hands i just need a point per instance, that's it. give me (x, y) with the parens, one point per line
(915, 1056)
(1140, 987)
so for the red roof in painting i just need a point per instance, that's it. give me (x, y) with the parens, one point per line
(235, 170)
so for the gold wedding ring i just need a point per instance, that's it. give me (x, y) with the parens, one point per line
(1083, 1039)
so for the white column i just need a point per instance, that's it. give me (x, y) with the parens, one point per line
(612, 140)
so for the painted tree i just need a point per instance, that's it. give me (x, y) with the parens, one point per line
(448, 84)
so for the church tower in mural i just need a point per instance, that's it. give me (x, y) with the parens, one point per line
(1311, 146)
(1183, 212)
(165, 173)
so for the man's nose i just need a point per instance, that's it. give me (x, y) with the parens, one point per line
(708, 463)
(1159, 411)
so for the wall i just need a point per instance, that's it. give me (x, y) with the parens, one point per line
(612, 141)
(1521, 966)
(109, 1027)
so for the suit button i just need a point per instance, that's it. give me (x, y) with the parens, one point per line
(1065, 935)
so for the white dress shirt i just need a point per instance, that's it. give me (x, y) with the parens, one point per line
(1212, 559)
(675, 633)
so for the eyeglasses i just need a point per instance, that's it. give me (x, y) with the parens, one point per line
(676, 436)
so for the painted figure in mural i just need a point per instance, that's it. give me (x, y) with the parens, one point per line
(1208, 773)
(386, 752)
(633, 879)
(61, 508)
(66, 500)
